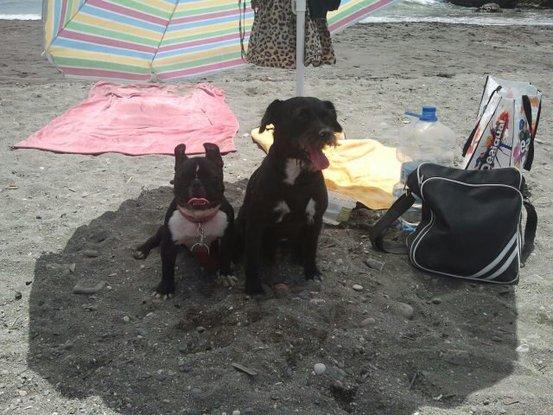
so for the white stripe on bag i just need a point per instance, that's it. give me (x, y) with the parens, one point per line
(497, 260)
(506, 265)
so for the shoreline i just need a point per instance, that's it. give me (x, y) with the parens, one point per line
(475, 19)
(398, 20)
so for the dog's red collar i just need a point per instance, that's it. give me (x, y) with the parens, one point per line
(198, 216)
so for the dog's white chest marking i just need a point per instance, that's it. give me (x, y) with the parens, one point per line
(310, 210)
(292, 171)
(185, 232)
(282, 209)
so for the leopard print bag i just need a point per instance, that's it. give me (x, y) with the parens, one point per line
(273, 37)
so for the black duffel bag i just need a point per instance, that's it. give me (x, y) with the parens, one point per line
(471, 224)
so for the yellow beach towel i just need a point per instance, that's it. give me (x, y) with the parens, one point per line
(364, 170)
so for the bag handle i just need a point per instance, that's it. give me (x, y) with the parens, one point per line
(376, 234)
(473, 132)
(529, 230)
(527, 106)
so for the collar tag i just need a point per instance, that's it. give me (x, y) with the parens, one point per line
(200, 247)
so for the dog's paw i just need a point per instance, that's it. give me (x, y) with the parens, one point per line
(227, 280)
(254, 288)
(281, 289)
(163, 297)
(313, 274)
(164, 291)
(140, 254)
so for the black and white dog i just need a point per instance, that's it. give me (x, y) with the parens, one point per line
(199, 217)
(286, 196)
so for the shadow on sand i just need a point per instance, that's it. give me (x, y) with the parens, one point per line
(145, 357)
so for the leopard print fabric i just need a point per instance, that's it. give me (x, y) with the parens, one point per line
(273, 37)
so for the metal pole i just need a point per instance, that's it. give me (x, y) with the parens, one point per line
(301, 6)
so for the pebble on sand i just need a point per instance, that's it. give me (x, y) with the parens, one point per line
(80, 288)
(374, 264)
(357, 287)
(90, 253)
(367, 322)
(405, 310)
(185, 368)
(523, 348)
(236, 412)
(18, 295)
(319, 368)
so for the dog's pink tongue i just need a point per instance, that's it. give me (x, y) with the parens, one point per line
(318, 159)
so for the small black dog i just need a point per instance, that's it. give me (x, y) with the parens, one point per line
(199, 217)
(286, 196)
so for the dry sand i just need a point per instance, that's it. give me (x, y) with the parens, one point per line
(465, 349)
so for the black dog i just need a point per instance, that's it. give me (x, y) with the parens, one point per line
(286, 196)
(199, 217)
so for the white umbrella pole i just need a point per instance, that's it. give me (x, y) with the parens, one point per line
(301, 6)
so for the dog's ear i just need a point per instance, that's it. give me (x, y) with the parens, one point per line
(336, 125)
(180, 155)
(213, 154)
(272, 115)
(330, 106)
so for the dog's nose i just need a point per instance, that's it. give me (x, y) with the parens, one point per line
(197, 188)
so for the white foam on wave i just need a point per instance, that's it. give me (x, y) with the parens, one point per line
(20, 17)
(421, 2)
(480, 21)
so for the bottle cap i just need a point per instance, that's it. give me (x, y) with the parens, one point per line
(428, 114)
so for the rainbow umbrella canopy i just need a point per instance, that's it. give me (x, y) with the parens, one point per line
(142, 40)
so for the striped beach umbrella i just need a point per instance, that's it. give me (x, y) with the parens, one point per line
(353, 11)
(141, 40)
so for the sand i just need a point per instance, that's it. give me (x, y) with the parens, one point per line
(406, 343)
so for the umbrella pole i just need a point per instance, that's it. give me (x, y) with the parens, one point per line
(301, 6)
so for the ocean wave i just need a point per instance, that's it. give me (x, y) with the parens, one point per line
(480, 21)
(422, 2)
(20, 17)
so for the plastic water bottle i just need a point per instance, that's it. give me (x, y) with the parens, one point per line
(425, 140)
(339, 208)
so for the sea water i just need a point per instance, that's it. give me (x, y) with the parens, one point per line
(430, 11)
(404, 11)
(440, 11)
(20, 9)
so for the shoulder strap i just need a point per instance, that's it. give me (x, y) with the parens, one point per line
(529, 230)
(533, 129)
(473, 132)
(378, 230)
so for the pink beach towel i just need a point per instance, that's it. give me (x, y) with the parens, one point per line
(141, 119)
